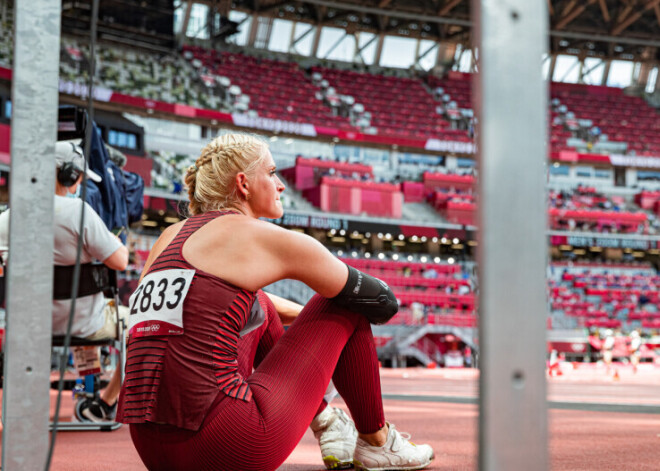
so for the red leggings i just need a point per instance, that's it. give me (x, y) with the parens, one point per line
(292, 372)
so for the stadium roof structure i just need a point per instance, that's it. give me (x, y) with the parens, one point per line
(608, 29)
(129, 22)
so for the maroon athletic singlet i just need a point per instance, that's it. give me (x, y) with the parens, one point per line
(175, 379)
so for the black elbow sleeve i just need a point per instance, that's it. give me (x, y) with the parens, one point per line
(368, 296)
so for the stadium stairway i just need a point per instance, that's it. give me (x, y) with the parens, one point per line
(296, 199)
(421, 212)
(413, 341)
(294, 290)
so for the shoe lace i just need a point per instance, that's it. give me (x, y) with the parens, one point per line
(401, 439)
(341, 415)
(343, 424)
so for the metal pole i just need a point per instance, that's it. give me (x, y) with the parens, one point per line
(511, 98)
(26, 401)
(76, 270)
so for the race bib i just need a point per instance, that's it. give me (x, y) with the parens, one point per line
(156, 306)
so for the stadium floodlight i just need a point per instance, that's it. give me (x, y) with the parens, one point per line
(394, 257)
(382, 256)
(340, 252)
(354, 254)
(436, 259)
(423, 259)
(410, 258)
(451, 260)
(367, 255)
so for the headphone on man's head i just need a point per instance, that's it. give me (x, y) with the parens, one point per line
(67, 174)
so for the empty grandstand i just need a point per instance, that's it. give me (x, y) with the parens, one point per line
(390, 160)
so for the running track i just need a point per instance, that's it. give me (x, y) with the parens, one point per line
(438, 407)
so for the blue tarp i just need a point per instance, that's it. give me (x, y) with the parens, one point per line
(117, 192)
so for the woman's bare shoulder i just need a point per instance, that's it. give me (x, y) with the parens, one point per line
(170, 232)
(163, 241)
(166, 237)
(248, 225)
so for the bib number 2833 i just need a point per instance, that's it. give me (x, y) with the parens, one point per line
(156, 306)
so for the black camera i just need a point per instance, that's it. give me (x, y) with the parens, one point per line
(71, 122)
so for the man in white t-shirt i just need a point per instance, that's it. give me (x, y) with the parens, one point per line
(94, 318)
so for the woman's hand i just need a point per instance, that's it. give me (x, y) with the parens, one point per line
(287, 310)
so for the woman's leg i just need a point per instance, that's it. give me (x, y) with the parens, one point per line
(255, 346)
(272, 334)
(323, 343)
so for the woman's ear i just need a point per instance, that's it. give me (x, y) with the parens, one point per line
(242, 184)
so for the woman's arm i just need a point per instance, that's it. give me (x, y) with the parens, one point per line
(287, 310)
(251, 254)
(301, 257)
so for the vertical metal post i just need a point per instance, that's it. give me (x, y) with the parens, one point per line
(316, 39)
(379, 49)
(511, 99)
(185, 20)
(26, 402)
(606, 72)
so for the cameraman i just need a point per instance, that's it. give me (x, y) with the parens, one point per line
(94, 317)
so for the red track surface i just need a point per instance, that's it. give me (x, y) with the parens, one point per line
(579, 383)
(579, 440)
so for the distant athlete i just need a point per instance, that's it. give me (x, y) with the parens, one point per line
(554, 368)
(607, 349)
(635, 349)
(196, 330)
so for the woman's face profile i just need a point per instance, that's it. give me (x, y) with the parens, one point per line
(266, 190)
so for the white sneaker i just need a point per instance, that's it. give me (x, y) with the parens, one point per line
(398, 454)
(337, 435)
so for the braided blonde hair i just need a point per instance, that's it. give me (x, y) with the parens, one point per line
(211, 181)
